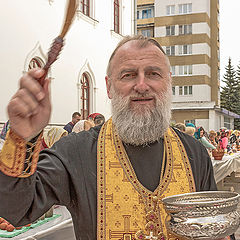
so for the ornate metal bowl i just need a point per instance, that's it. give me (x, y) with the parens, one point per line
(202, 215)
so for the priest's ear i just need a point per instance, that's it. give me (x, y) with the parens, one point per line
(108, 85)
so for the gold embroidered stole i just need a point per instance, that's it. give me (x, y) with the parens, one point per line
(125, 208)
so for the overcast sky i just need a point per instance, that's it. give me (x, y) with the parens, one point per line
(229, 33)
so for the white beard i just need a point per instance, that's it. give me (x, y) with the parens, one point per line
(142, 124)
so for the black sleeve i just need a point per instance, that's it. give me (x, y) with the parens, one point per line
(23, 200)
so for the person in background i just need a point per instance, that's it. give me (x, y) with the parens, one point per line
(76, 116)
(212, 137)
(83, 125)
(218, 137)
(202, 138)
(180, 126)
(5, 129)
(233, 137)
(113, 174)
(51, 136)
(190, 131)
(3, 133)
(192, 125)
(96, 118)
(224, 139)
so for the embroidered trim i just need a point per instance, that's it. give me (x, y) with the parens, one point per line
(18, 158)
(101, 183)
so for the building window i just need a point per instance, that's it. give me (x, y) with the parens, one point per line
(146, 33)
(84, 7)
(85, 96)
(180, 90)
(185, 8)
(170, 51)
(187, 90)
(173, 70)
(35, 62)
(147, 13)
(137, 14)
(184, 49)
(185, 29)
(173, 91)
(185, 70)
(170, 10)
(170, 30)
(116, 16)
(227, 123)
(190, 90)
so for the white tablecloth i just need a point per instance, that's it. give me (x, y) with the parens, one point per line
(60, 228)
(224, 167)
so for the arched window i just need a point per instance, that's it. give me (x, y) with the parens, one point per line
(84, 7)
(85, 96)
(116, 16)
(35, 62)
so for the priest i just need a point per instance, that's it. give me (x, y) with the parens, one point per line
(113, 177)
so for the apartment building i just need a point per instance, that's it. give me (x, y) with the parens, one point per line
(188, 30)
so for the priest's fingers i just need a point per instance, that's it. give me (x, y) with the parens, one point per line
(29, 81)
(29, 109)
(23, 103)
(17, 107)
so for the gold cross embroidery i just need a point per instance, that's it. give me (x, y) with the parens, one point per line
(126, 234)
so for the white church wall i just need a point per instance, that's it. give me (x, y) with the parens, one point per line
(26, 23)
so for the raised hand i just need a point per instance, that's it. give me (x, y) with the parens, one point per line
(29, 109)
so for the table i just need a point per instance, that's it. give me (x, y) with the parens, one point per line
(60, 228)
(224, 167)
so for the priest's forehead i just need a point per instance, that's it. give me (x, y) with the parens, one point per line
(140, 41)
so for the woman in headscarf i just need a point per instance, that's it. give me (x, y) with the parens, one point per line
(97, 118)
(52, 136)
(200, 136)
(82, 125)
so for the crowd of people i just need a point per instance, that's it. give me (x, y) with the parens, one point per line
(226, 140)
(53, 134)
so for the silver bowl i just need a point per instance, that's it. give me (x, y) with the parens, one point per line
(202, 215)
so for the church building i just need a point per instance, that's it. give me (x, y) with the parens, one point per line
(28, 29)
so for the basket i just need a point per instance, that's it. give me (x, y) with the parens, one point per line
(218, 154)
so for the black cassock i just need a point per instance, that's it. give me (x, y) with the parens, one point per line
(67, 175)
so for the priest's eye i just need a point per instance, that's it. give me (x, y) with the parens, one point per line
(128, 76)
(153, 74)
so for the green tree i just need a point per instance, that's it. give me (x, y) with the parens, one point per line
(228, 95)
(236, 120)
